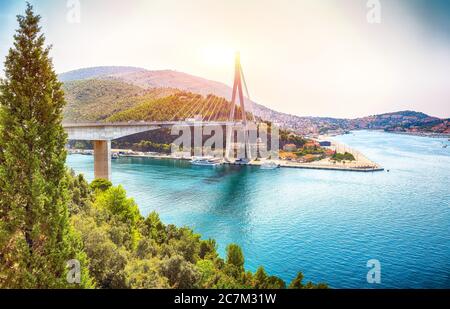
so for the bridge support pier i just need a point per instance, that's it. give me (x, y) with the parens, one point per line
(102, 159)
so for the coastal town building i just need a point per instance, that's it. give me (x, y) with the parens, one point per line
(290, 147)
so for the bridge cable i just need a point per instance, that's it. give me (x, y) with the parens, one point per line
(200, 107)
(184, 108)
(230, 130)
(205, 105)
(211, 106)
(213, 112)
(188, 112)
(248, 95)
(180, 110)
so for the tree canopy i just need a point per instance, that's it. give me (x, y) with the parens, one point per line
(35, 236)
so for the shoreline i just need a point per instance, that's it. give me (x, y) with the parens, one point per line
(282, 164)
(318, 165)
(422, 134)
(360, 164)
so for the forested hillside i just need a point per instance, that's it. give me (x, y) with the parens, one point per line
(96, 100)
(112, 100)
(178, 106)
(127, 250)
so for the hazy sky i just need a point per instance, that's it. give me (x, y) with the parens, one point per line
(310, 57)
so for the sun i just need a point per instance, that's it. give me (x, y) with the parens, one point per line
(217, 56)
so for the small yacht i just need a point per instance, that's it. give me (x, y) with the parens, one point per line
(242, 161)
(269, 165)
(206, 161)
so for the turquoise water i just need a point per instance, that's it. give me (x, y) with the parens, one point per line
(327, 224)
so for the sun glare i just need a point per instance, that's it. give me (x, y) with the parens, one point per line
(216, 56)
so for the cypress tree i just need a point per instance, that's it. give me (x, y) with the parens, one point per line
(36, 239)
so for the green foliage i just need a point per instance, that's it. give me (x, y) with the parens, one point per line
(180, 273)
(178, 106)
(208, 249)
(310, 150)
(125, 213)
(80, 192)
(186, 243)
(287, 137)
(208, 273)
(80, 145)
(107, 259)
(146, 248)
(154, 229)
(274, 282)
(113, 100)
(152, 147)
(343, 157)
(100, 184)
(36, 239)
(92, 100)
(162, 256)
(260, 278)
(235, 256)
(297, 283)
(144, 274)
(115, 200)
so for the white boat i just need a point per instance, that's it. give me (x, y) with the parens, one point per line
(269, 165)
(206, 161)
(115, 156)
(242, 161)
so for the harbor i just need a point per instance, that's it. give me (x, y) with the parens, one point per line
(325, 164)
(360, 163)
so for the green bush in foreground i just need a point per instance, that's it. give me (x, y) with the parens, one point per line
(127, 250)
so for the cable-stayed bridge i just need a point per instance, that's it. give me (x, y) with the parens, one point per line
(229, 115)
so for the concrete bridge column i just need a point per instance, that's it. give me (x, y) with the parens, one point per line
(102, 159)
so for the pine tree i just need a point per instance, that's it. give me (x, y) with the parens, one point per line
(235, 256)
(36, 239)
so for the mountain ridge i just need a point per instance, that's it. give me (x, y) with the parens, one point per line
(147, 80)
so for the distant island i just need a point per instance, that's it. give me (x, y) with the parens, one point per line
(131, 93)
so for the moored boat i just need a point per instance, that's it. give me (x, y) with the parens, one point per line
(206, 161)
(242, 161)
(269, 165)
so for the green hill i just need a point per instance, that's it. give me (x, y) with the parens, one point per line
(116, 101)
(96, 100)
(175, 107)
(89, 100)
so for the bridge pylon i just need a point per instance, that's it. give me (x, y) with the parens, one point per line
(238, 92)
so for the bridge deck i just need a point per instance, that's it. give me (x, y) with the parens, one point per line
(147, 123)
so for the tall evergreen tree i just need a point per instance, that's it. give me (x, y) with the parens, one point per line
(36, 240)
